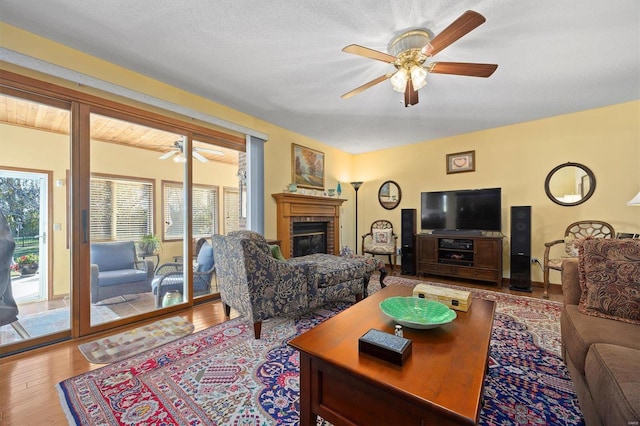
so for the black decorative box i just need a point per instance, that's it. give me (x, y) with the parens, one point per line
(388, 347)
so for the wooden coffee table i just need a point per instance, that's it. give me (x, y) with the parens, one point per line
(440, 383)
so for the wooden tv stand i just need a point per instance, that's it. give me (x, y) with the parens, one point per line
(462, 256)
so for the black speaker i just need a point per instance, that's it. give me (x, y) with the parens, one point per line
(520, 248)
(407, 239)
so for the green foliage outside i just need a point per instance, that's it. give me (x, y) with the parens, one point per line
(19, 202)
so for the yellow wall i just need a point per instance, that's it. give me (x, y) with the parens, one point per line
(516, 158)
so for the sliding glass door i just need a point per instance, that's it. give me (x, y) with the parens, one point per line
(34, 165)
(112, 209)
(132, 264)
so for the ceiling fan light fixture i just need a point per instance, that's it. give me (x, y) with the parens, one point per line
(180, 158)
(418, 77)
(399, 80)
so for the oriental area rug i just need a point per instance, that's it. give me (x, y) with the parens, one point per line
(223, 376)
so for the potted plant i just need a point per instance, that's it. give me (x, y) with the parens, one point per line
(149, 244)
(26, 264)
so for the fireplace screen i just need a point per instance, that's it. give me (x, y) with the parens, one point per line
(309, 238)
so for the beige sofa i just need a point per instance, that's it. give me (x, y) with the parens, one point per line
(603, 353)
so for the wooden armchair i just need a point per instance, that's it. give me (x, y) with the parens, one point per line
(575, 231)
(381, 240)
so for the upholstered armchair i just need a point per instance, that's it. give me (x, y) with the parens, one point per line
(260, 287)
(116, 271)
(381, 240)
(574, 232)
(170, 276)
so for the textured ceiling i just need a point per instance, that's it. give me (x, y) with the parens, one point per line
(281, 60)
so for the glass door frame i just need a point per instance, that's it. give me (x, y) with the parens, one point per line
(45, 225)
(81, 104)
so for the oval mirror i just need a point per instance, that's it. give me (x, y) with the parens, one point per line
(570, 184)
(389, 195)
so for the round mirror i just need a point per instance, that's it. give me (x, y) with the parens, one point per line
(389, 195)
(570, 184)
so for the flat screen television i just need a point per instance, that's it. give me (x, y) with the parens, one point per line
(464, 210)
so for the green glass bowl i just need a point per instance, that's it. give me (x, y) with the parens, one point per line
(414, 312)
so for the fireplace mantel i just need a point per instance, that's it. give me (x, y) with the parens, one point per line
(293, 207)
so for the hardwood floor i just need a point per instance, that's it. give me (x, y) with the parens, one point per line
(27, 381)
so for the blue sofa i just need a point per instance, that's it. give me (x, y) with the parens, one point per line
(116, 271)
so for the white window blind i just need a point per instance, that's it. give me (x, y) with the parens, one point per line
(121, 209)
(204, 206)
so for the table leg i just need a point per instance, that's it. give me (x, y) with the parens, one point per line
(307, 417)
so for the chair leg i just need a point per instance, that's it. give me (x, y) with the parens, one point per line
(227, 310)
(545, 283)
(383, 275)
(390, 262)
(257, 329)
(359, 297)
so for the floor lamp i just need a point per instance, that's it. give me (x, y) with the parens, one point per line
(356, 186)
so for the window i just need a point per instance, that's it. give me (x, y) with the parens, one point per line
(204, 205)
(121, 208)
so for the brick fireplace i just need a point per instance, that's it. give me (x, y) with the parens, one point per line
(294, 208)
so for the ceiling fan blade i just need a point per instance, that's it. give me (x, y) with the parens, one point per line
(210, 151)
(199, 156)
(467, 22)
(168, 154)
(462, 68)
(410, 95)
(369, 53)
(366, 86)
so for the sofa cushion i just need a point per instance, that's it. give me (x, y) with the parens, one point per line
(571, 246)
(121, 276)
(381, 241)
(580, 331)
(111, 256)
(276, 252)
(610, 279)
(205, 258)
(614, 371)
(330, 269)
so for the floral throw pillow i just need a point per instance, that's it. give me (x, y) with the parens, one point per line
(571, 246)
(381, 240)
(381, 237)
(609, 272)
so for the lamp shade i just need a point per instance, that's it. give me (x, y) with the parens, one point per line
(399, 80)
(635, 201)
(418, 77)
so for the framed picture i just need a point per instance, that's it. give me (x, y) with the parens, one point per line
(460, 162)
(307, 167)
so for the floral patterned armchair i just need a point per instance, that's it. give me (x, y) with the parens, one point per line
(381, 240)
(260, 287)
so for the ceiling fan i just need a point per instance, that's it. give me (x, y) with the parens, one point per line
(178, 149)
(409, 51)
